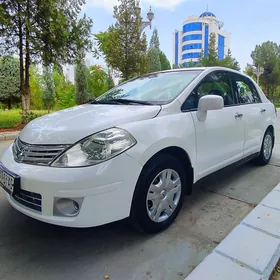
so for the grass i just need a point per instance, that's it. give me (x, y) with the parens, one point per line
(12, 118)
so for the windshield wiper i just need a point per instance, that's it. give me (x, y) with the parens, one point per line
(119, 101)
(128, 101)
(92, 101)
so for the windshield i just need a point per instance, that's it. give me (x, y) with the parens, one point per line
(155, 88)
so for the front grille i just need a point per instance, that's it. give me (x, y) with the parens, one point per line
(36, 154)
(29, 199)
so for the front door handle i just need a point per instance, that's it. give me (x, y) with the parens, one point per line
(263, 111)
(238, 116)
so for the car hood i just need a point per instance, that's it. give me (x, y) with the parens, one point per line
(70, 125)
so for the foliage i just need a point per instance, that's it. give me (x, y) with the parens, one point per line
(81, 84)
(143, 56)
(9, 80)
(64, 90)
(154, 42)
(230, 62)
(48, 87)
(164, 62)
(153, 60)
(12, 118)
(36, 89)
(179, 66)
(212, 58)
(98, 81)
(110, 81)
(122, 44)
(267, 55)
(48, 31)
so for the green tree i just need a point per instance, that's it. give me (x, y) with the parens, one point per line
(179, 66)
(212, 58)
(267, 55)
(48, 31)
(122, 44)
(48, 88)
(230, 62)
(164, 62)
(81, 84)
(110, 80)
(153, 60)
(97, 81)
(9, 80)
(36, 90)
(154, 42)
(64, 90)
(143, 56)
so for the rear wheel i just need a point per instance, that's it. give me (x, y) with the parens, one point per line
(158, 195)
(266, 150)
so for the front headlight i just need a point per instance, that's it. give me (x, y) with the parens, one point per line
(96, 148)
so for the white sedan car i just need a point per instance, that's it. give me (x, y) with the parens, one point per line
(136, 150)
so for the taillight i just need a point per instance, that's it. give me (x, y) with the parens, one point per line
(275, 110)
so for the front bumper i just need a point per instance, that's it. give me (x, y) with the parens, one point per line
(106, 189)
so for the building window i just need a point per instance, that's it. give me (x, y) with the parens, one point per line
(206, 40)
(176, 49)
(191, 47)
(194, 26)
(191, 55)
(192, 37)
(221, 47)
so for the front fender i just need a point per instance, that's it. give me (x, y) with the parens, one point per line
(156, 134)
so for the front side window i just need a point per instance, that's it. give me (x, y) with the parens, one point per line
(156, 88)
(217, 83)
(247, 92)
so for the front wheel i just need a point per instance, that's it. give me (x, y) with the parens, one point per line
(158, 195)
(266, 150)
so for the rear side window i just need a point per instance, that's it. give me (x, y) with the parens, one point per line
(247, 93)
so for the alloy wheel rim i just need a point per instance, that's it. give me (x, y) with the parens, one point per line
(163, 195)
(267, 146)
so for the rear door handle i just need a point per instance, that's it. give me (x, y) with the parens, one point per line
(263, 111)
(238, 116)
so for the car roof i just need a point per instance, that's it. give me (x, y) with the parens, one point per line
(201, 69)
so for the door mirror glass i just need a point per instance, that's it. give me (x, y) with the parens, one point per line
(209, 103)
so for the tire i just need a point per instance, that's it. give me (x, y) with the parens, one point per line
(266, 149)
(145, 214)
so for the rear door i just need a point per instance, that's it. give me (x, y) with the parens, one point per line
(253, 113)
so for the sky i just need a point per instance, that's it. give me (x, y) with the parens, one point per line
(250, 22)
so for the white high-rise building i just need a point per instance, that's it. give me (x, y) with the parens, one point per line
(189, 43)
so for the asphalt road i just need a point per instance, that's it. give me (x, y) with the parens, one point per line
(33, 250)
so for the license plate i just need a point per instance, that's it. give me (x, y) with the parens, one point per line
(9, 181)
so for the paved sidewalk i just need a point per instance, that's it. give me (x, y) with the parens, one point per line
(5, 136)
(251, 250)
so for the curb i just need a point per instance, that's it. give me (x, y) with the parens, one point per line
(6, 136)
(251, 250)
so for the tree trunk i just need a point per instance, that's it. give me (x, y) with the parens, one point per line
(21, 66)
(9, 104)
(48, 108)
(27, 62)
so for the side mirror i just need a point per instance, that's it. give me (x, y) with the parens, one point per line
(209, 103)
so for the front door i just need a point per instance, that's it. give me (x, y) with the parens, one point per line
(220, 138)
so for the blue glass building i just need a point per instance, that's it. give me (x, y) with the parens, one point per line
(189, 43)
